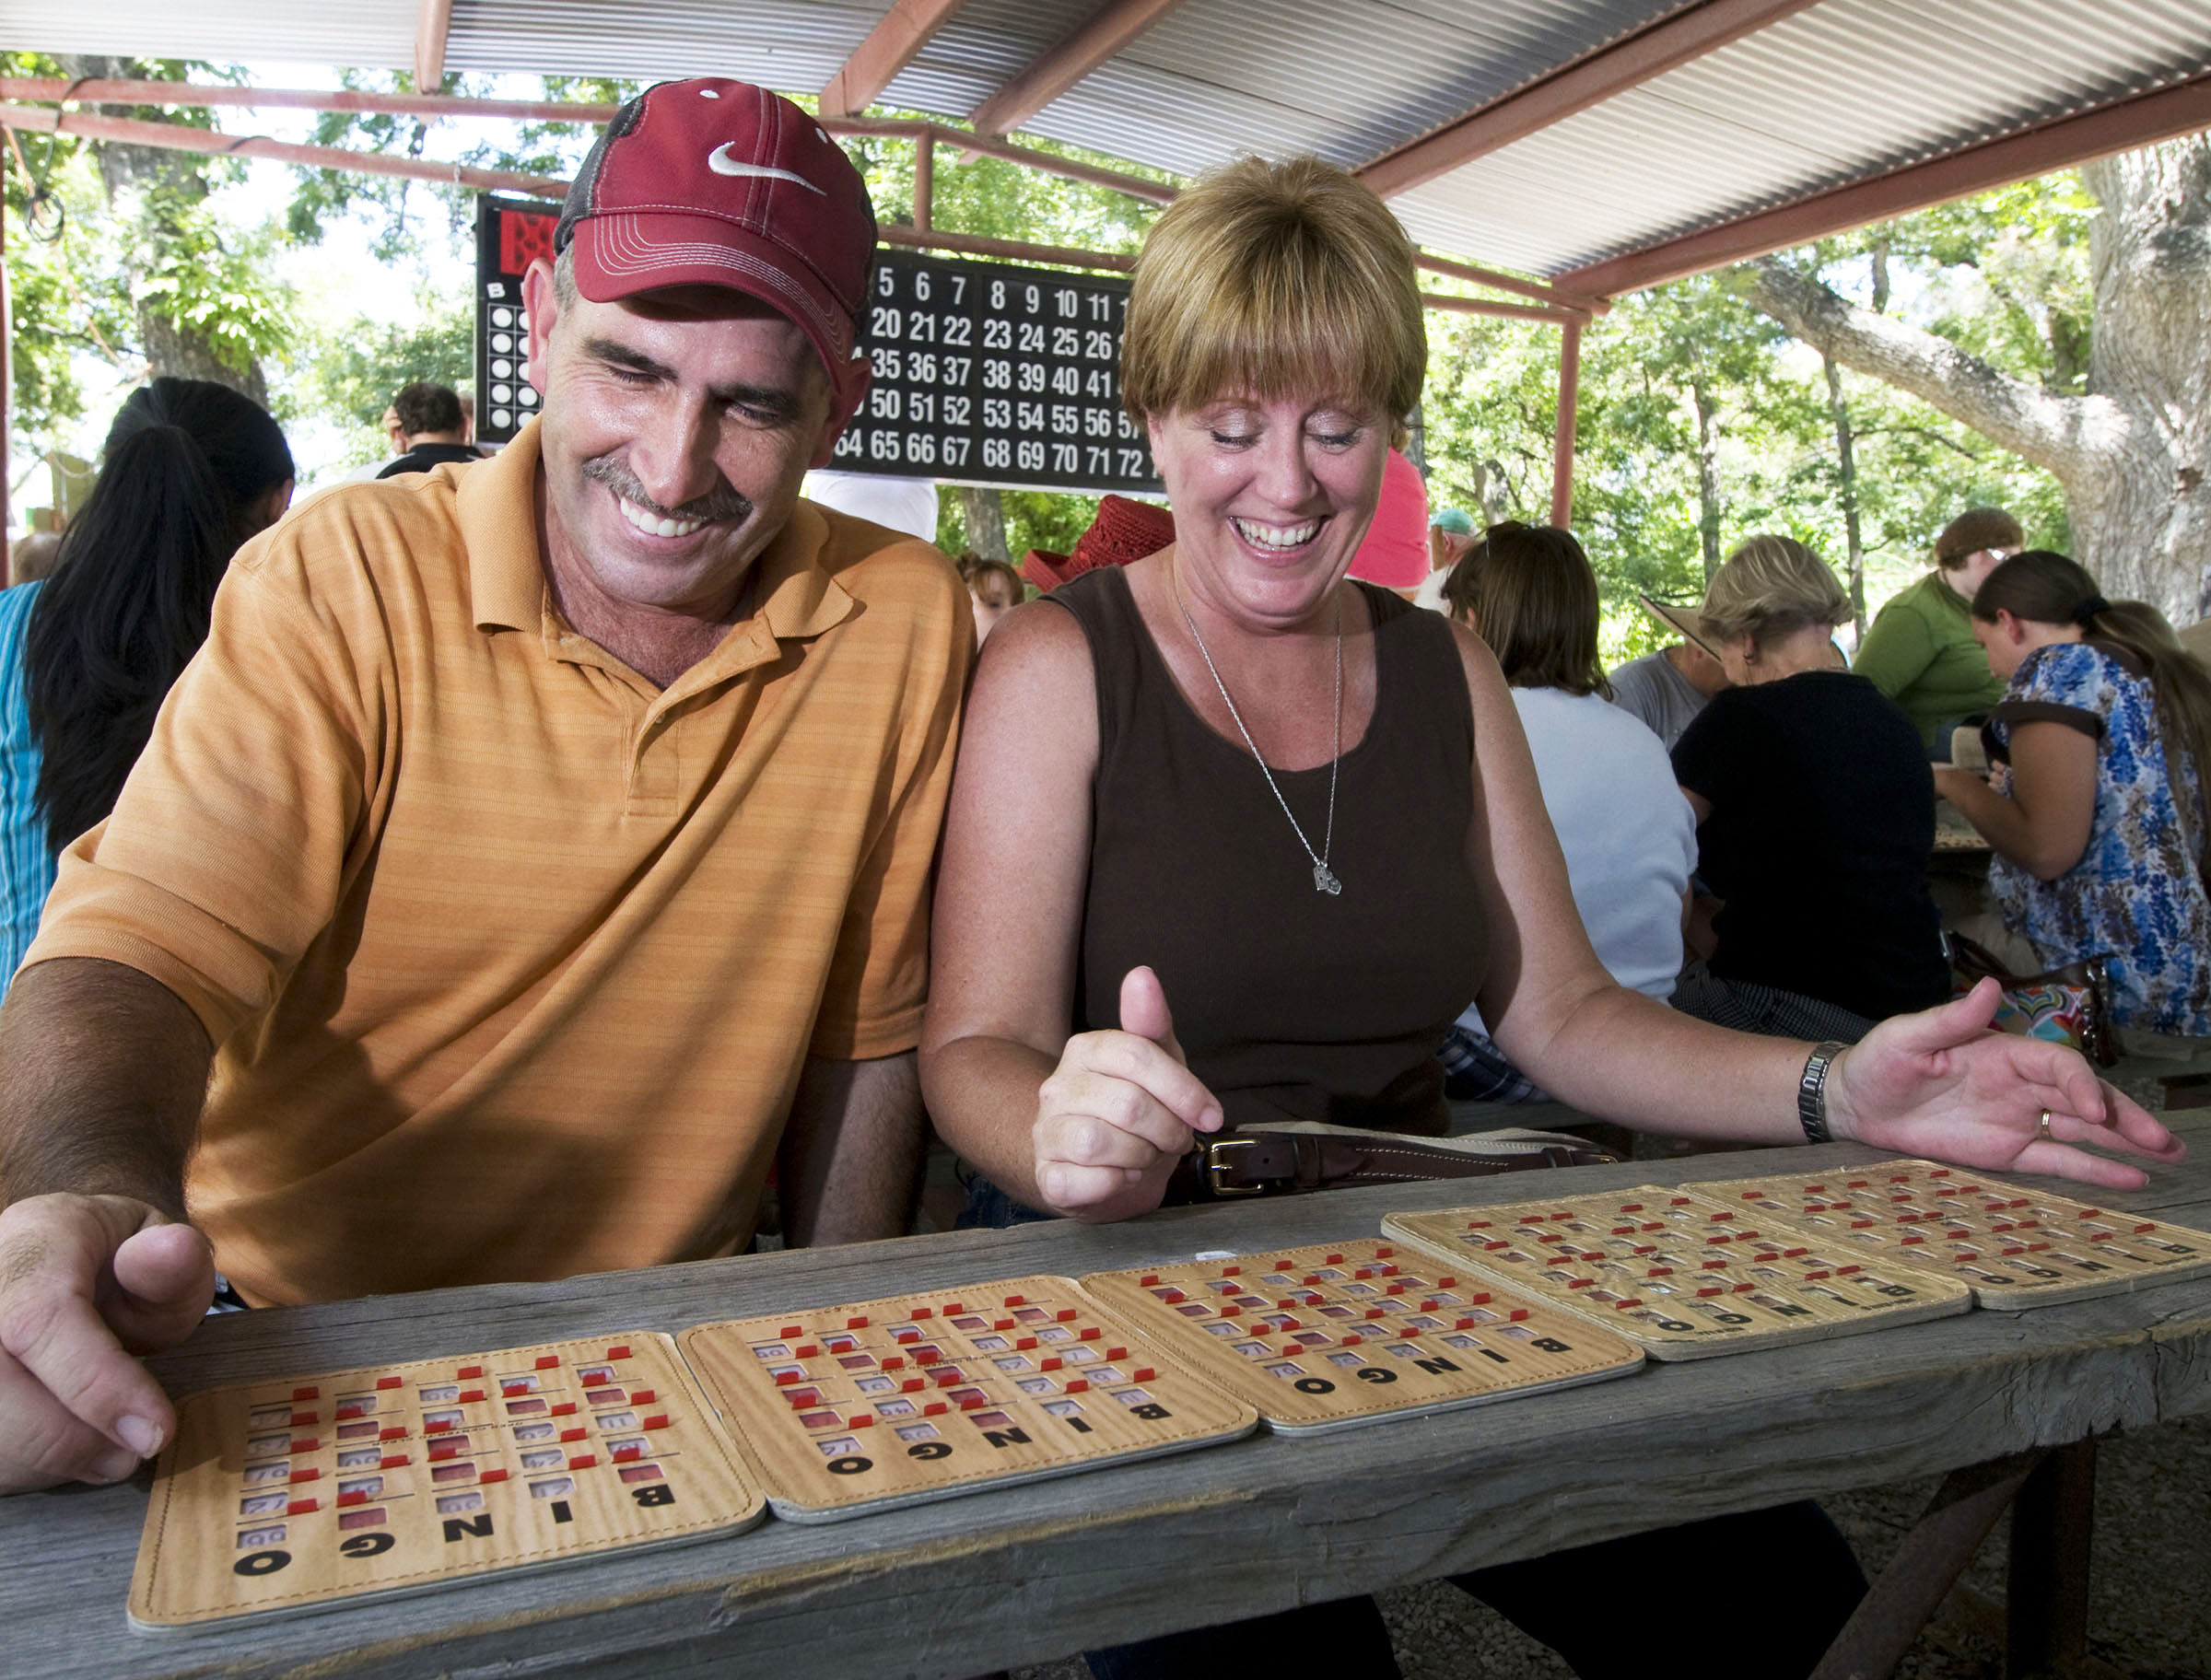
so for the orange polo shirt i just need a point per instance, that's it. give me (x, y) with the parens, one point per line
(511, 958)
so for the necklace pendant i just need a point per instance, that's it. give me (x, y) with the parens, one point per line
(1324, 881)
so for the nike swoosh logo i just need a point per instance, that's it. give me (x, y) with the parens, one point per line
(721, 163)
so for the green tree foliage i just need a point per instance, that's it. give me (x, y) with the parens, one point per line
(1701, 422)
(116, 254)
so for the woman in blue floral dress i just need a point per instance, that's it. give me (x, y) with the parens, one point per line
(2095, 808)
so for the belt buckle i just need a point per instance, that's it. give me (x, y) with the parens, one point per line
(1214, 1168)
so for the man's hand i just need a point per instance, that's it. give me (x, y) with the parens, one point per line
(1119, 1112)
(1941, 1083)
(86, 1281)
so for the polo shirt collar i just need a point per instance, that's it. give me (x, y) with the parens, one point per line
(795, 598)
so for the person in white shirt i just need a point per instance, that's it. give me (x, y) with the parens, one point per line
(1629, 835)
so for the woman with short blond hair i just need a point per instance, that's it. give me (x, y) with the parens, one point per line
(1306, 814)
(1815, 816)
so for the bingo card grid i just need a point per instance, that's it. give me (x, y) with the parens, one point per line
(1333, 1334)
(315, 1492)
(2012, 1247)
(882, 1404)
(1683, 1276)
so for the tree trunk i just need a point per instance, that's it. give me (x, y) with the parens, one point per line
(2133, 453)
(171, 347)
(1708, 472)
(986, 519)
(1846, 462)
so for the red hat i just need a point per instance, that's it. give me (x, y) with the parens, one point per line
(1123, 531)
(715, 182)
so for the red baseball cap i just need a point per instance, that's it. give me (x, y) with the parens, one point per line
(715, 182)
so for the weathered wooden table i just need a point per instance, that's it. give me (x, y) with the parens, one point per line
(980, 1583)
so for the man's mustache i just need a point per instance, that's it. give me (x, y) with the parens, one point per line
(724, 502)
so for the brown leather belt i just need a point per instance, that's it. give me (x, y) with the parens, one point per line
(1294, 1163)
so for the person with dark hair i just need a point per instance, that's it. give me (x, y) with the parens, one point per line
(1920, 649)
(1630, 840)
(429, 427)
(191, 470)
(2095, 807)
(561, 826)
(994, 589)
(1815, 817)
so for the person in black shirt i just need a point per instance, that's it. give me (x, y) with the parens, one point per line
(1816, 817)
(430, 429)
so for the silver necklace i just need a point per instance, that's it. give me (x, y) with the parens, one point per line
(1323, 879)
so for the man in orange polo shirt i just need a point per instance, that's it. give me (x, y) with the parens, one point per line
(539, 850)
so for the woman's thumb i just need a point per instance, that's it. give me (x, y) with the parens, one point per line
(1144, 1011)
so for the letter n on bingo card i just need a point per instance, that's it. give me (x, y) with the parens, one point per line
(885, 1403)
(291, 1494)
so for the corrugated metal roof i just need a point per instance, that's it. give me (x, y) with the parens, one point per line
(1843, 90)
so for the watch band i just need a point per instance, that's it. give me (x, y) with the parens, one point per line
(1812, 1091)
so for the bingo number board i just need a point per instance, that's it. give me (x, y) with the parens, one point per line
(888, 1402)
(291, 1494)
(1683, 1276)
(2011, 1247)
(1348, 1333)
(510, 235)
(984, 373)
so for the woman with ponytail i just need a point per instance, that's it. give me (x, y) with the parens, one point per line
(190, 470)
(2096, 808)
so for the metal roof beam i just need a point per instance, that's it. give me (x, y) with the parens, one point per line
(891, 46)
(433, 23)
(52, 89)
(1112, 27)
(2141, 121)
(176, 137)
(1605, 72)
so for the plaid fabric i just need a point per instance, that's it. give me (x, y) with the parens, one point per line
(1748, 1007)
(1476, 1071)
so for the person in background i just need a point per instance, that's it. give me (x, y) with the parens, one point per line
(1630, 840)
(1815, 817)
(1450, 534)
(32, 556)
(1396, 553)
(190, 470)
(907, 504)
(994, 589)
(2095, 809)
(1668, 688)
(430, 429)
(1920, 648)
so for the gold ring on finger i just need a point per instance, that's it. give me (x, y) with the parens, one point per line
(2046, 1125)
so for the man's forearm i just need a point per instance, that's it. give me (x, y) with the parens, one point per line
(851, 1154)
(103, 1074)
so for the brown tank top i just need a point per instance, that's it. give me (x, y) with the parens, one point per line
(1291, 1004)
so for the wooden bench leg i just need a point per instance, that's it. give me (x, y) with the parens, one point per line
(1933, 1555)
(2046, 1610)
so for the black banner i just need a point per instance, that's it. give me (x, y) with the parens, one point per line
(986, 373)
(510, 234)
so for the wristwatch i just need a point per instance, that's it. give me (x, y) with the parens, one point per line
(1811, 1092)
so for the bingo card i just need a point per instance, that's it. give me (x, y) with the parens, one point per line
(282, 1496)
(2011, 1247)
(1346, 1333)
(1681, 1275)
(887, 1403)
